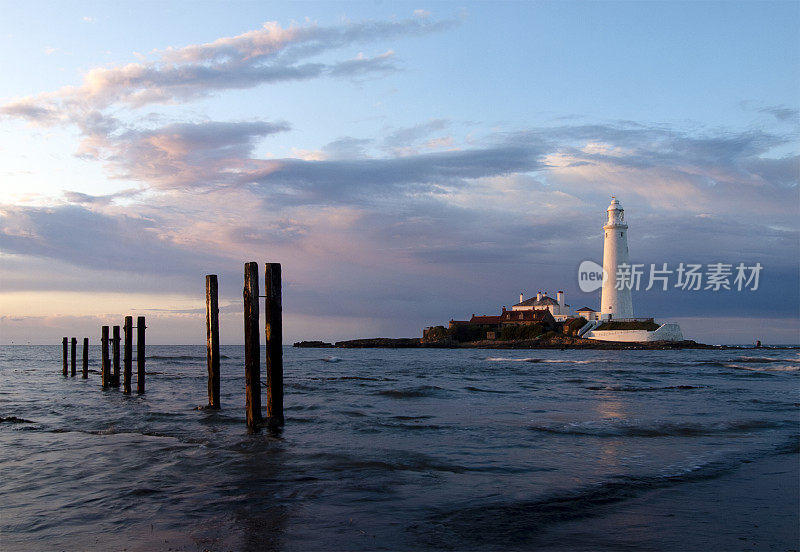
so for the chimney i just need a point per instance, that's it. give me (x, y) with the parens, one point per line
(560, 296)
(539, 296)
(521, 297)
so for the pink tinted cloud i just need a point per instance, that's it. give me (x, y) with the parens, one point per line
(266, 55)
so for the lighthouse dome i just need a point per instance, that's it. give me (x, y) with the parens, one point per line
(615, 205)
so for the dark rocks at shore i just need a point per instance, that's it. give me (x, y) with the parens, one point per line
(15, 420)
(548, 341)
(313, 344)
(380, 342)
(375, 342)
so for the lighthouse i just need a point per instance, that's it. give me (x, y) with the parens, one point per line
(615, 303)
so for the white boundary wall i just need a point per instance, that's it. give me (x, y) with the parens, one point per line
(665, 332)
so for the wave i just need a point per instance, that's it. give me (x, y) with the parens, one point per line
(302, 407)
(758, 364)
(519, 522)
(353, 413)
(415, 392)
(182, 357)
(630, 388)
(409, 426)
(337, 378)
(634, 428)
(331, 359)
(15, 420)
(403, 461)
(479, 390)
(766, 360)
(536, 360)
(504, 359)
(785, 368)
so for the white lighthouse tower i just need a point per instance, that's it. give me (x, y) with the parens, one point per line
(615, 303)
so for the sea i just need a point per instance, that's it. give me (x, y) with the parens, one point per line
(407, 449)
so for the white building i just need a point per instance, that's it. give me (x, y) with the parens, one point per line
(615, 303)
(615, 321)
(557, 307)
(588, 313)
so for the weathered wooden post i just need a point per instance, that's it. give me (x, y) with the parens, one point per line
(128, 356)
(115, 356)
(73, 353)
(252, 347)
(85, 357)
(274, 342)
(64, 347)
(106, 369)
(212, 340)
(140, 327)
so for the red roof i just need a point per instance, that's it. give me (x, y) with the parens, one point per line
(485, 320)
(526, 316)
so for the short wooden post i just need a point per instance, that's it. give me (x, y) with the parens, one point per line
(274, 342)
(128, 355)
(85, 357)
(64, 347)
(73, 353)
(252, 347)
(212, 340)
(140, 327)
(115, 356)
(106, 364)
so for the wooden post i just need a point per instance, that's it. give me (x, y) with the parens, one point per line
(85, 357)
(115, 356)
(64, 347)
(212, 340)
(128, 355)
(274, 342)
(140, 327)
(252, 347)
(106, 370)
(73, 353)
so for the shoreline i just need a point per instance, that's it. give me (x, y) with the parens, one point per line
(752, 506)
(551, 342)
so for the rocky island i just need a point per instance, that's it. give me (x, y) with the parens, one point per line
(550, 340)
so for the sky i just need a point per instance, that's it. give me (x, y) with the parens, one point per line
(407, 163)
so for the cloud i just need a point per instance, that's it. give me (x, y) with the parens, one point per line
(418, 221)
(294, 181)
(84, 237)
(410, 135)
(362, 65)
(100, 200)
(267, 55)
(178, 155)
(783, 172)
(33, 111)
(393, 220)
(346, 147)
(782, 113)
(674, 170)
